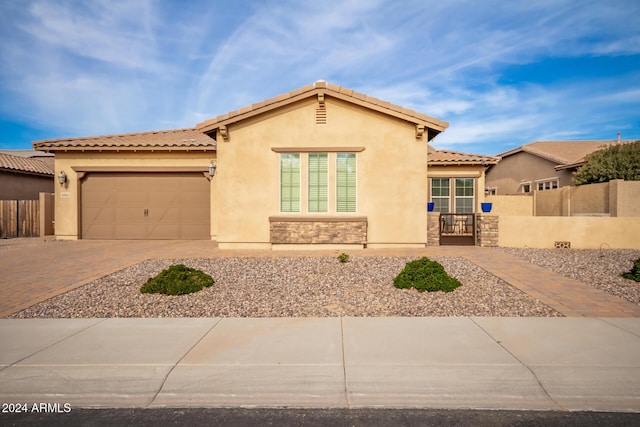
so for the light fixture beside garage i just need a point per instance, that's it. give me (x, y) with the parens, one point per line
(62, 178)
(212, 168)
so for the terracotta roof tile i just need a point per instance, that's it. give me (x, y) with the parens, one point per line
(25, 164)
(448, 157)
(157, 140)
(563, 152)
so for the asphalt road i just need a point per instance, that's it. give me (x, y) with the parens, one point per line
(236, 417)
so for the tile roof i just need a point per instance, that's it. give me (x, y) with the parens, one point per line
(448, 157)
(331, 90)
(23, 164)
(154, 140)
(563, 153)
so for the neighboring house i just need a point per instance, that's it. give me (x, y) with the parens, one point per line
(541, 165)
(24, 174)
(318, 165)
(457, 180)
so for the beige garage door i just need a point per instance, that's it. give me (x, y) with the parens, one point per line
(145, 206)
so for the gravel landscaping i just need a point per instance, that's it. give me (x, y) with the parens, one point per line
(293, 287)
(598, 268)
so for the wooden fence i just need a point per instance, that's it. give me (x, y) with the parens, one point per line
(19, 218)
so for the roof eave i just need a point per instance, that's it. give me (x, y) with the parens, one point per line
(435, 125)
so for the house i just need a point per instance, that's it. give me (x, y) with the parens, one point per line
(540, 165)
(24, 174)
(320, 165)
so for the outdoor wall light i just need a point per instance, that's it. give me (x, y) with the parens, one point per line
(62, 178)
(212, 168)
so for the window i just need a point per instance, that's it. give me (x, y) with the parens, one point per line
(491, 191)
(290, 182)
(346, 182)
(307, 182)
(464, 195)
(525, 187)
(318, 182)
(550, 184)
(440, 194)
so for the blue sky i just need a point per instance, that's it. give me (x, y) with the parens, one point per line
(502, 73)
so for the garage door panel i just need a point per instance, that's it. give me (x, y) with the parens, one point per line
(114, 205)
(130, 232)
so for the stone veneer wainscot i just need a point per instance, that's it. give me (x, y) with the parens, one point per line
(320, 230)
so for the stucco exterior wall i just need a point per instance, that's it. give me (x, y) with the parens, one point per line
(581, 232)
(391, 172)
(67, 197)
(21, 186)
(507, 175)
(513, 205)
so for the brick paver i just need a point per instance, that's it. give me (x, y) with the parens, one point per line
(34, 271)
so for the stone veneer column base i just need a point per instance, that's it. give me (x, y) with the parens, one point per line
(433, 228)
(487, 230)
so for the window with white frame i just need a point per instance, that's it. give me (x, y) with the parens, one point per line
(311, 172)
(549, 184)
(491, 191)
(440, 194)
(525, 187)
(462, 189)
(464, 195)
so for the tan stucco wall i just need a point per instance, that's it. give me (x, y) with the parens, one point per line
(582, 232)
(67, 207)
(507, 175)
(20, 186)
(513, 205)
(627, 197)
(391, 172)
(461, 171)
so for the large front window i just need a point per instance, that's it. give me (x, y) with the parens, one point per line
(309, 185)
(440, 194)
(464, 195)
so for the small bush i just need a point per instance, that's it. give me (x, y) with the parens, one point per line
(634, 274)
(177, 280)
(425, 275)
(343, 257)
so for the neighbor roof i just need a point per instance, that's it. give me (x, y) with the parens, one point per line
(321, 87)
(154, 140)
(565, 154)
(448, 157)
(25, 165)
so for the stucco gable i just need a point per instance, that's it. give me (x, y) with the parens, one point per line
(430, 125)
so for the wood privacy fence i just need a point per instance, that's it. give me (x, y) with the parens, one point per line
(19, 218)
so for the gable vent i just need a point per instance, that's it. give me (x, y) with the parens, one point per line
(321, 116)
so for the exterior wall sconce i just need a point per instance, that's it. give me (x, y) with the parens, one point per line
(212, 168)
(62, 178)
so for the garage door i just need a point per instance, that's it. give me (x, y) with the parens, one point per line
(145, 206)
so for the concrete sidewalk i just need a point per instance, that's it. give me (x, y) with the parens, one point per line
(507, 363)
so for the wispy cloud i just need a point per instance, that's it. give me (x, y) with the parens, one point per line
(78, 68)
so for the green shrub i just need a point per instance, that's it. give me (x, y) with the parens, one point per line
(425, 275)
(343, 257)
(634, 274)
(177, 280)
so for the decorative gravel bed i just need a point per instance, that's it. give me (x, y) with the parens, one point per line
(293, 287)
(598, 268)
